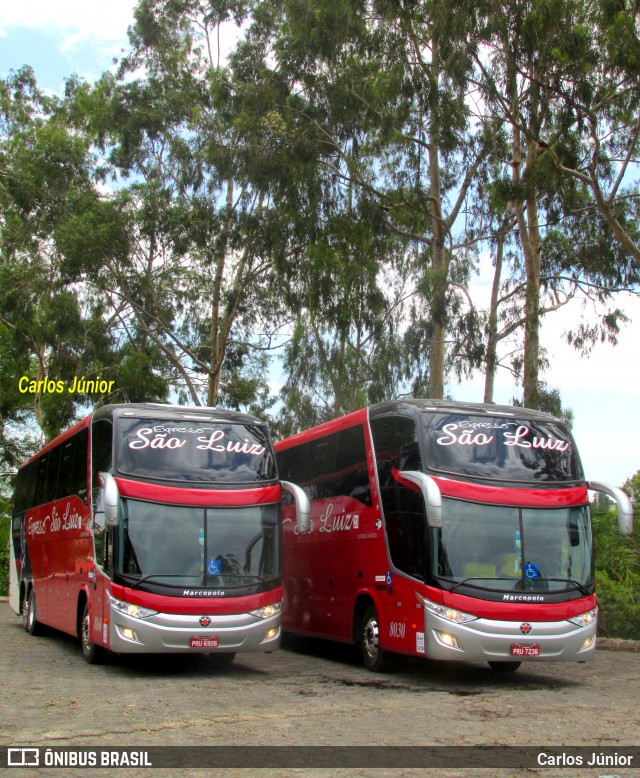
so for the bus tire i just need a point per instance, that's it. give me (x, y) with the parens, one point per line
(505, 667)
(29, 617)
(374, 657)
(92, 653)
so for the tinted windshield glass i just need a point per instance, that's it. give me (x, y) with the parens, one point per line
(185, 451)
(514, 549)
(501, 449)
(199, 547)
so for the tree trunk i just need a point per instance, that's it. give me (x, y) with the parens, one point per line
(492, 327)
(528, 229)
(439, 260)
(533, 260)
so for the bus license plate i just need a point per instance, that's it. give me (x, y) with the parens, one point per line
(204, 642)
(519, 650)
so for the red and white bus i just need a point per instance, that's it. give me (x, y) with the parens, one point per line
(153, 528)
(443, 530)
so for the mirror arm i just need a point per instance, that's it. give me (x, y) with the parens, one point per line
(624, 504)
(430, 492)
(303, 506)
(110, 498)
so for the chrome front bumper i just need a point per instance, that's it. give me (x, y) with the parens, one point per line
(492, 641)
(171, 633)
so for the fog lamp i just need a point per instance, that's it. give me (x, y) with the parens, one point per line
(129, 634)
(588, 643)
(448, 640)
(272, 633)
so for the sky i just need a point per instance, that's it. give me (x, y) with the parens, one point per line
(59, 38)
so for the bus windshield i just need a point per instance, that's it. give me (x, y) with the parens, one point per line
(514, 549)
(198, 547)
(190, 452)
(502, 449)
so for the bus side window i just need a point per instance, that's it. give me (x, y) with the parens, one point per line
(25, 492)
(396, 446)
(291, 467)
(352, 472)
(337, 467)
(72, 475)
(101, 453)
(78, 482)
(320, 471)
(101, 462)
(47, 477)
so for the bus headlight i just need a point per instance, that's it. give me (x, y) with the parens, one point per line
(131, 610)
(268, 611)
(584, 619)
(450, 614)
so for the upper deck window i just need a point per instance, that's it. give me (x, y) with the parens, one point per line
(501, 449)
(180, 450)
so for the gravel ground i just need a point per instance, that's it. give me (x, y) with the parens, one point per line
(309, 694)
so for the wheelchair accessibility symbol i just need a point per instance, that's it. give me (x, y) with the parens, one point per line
(531, 571)
(214, 567)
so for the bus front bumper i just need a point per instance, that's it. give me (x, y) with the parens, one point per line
(509, 641)
(164, 633)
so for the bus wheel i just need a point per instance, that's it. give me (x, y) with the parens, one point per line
(92, 653)
(24, 610)
(374, 657)
(505, 667)
(29, 620)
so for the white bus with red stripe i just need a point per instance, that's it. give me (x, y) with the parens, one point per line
(443, 530)
(153, 529)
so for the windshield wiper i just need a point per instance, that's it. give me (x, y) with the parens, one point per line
(458, 584)
(580, 587)
(138, 581)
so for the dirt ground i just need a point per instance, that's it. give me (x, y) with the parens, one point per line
(311, 693)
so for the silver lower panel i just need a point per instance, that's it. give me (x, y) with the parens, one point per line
(491, 641)
(171, 633)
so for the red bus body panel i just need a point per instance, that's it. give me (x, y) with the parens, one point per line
(61, 553)
(344, 558)
(53, 554)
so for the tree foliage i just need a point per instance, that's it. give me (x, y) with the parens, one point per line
(47, 322)
(328, 178)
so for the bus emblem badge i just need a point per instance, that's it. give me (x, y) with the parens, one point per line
(525, 628)
(205, 621)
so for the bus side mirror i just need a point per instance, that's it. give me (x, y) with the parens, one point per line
(110, 498)
(430, 492)
(303, 506)
(625, 508)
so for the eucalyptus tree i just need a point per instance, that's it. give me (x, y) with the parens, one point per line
(348, 345)
(598, 99)
(50, 329)
(204, 234)
(380, 92)
(532, 51)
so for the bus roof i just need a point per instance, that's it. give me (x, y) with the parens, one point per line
(151, 411)
(166, 411)
(411, 407)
